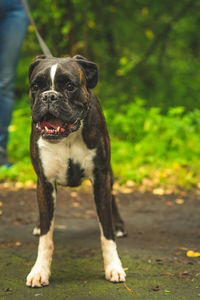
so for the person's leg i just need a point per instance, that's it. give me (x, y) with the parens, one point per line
(13, 26)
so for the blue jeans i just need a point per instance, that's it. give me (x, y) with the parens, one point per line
(13, 27)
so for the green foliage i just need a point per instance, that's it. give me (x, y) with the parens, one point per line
(19, 146)
(144, 50)
(145, 144)
(144, 140)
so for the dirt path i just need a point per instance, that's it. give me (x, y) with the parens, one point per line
(160, 231)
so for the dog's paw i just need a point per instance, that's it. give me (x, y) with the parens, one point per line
(37, 278)
(115, 273)
(36, 231)
(120, 231)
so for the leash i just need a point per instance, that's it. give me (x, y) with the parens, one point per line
(43, 45)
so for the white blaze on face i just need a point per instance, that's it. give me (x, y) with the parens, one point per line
(52, 74)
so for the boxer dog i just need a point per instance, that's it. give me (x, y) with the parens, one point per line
(70, 141)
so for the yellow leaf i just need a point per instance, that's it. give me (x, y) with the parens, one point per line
(73, 194)
(63, 227)
(130, 183)
(87, 182)
(19, 185)
(126, 190)
(12, 128)
(128, 289)
(158, 191)
(149, 34)
(91, 24)
(176, 166)
(123, 61)
(179, 201)
(31, 28)
(29, 183)
(119, 72)
(145, 11)
(191, 253)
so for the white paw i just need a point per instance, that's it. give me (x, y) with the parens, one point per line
(36, 231)
(37, 278)
(115, 273)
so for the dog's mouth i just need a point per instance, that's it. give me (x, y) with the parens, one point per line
(51, 127)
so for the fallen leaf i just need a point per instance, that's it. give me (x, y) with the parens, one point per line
(87, 182)
(1, 204)
(130, 183)
(128, 289)
(185, 273)
(76, 204)
(183, 193)
(168, 192)
(1, 212)
(179, 201)
(158, 191)
(19, 185)
(182, 248)
(169, 203)
(147, 182)
(63, 227)
(126, 190)
(74, 194)
(157, 288)
(116, 186)
(192, 253)
(114, 192)
(30, 184)
(90, 212)
(17, 244)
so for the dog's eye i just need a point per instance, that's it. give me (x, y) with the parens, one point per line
(34, 87)
(70, 86)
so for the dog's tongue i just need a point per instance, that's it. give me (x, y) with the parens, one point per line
(54, 123)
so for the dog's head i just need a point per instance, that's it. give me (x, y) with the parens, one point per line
(59, 94)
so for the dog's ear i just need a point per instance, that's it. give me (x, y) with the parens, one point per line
(36, 61)
(90, 70)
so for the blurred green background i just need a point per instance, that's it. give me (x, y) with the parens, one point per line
(149, 83)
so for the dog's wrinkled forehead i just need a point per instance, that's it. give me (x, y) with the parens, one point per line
(52, 70)
(77, 69)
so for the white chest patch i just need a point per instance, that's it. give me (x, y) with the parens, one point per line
(55, 157)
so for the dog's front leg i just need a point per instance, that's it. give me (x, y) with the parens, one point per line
(46, 195)
(103, 197)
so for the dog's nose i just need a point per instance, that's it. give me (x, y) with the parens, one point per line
(49, 96)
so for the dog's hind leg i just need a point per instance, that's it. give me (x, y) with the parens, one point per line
(36, 229)
(39, 275)
(119, 227)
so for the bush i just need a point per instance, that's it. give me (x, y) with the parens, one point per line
(145, 144)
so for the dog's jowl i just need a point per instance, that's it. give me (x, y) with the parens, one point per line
(69, 141)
